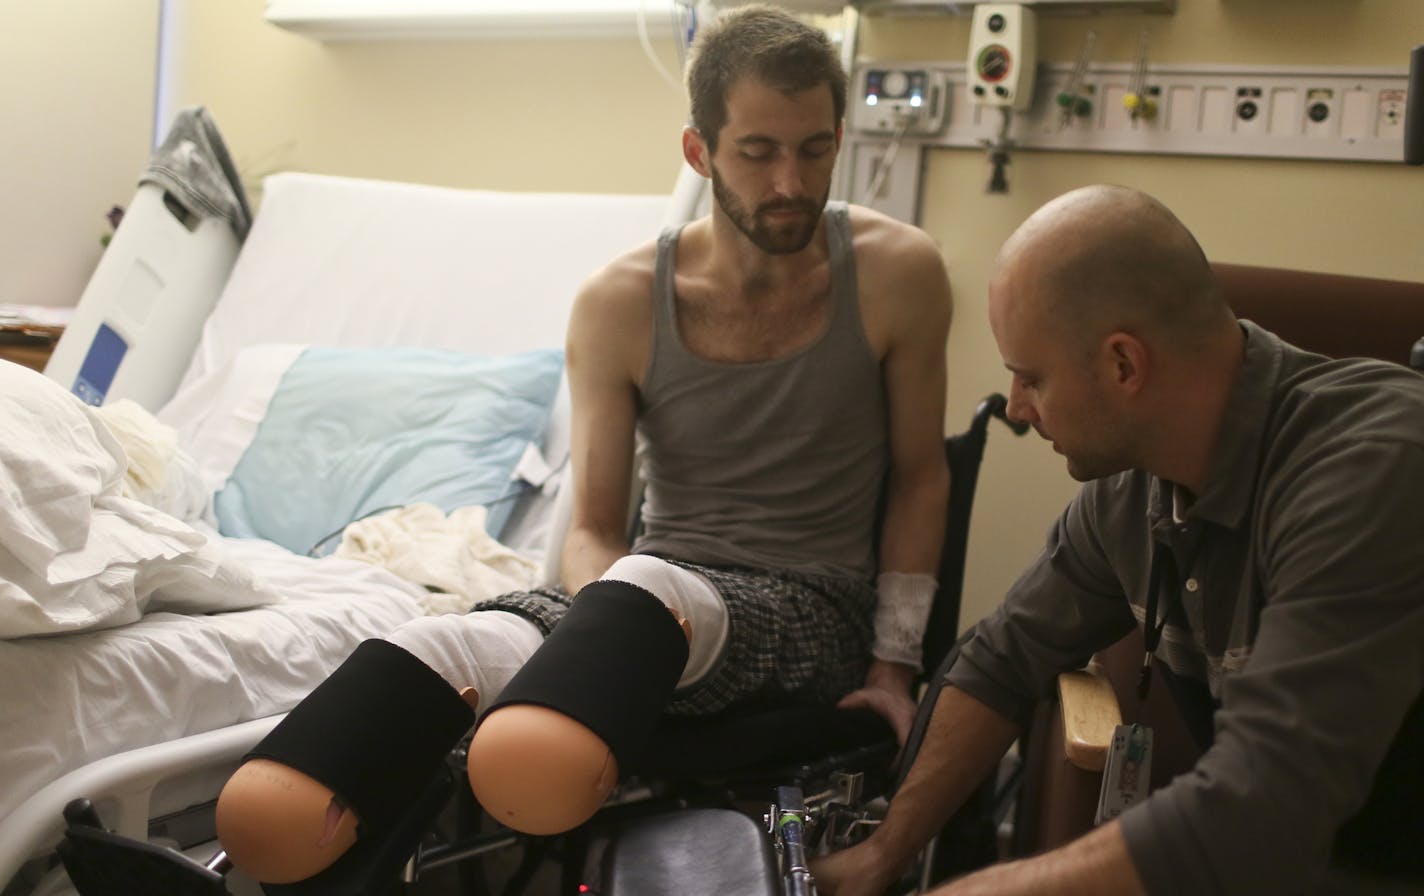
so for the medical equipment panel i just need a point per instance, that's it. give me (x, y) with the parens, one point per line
(901, 100)
(1003, 53)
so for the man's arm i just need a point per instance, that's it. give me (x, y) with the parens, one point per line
(908, 313)
(964, 740)
(1065, 605)
(605, 351)
(914, 312)
(1094, 864)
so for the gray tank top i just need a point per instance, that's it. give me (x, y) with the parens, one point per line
(770, 464)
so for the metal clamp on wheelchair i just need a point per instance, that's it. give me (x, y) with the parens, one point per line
(800, 827)
(836, 817)
(786, 822)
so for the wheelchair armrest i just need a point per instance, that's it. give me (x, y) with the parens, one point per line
(1090, 713)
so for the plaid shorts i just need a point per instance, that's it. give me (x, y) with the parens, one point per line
(790, 638)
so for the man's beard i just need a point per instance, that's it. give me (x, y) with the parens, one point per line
(1109, 454)
(773, 239)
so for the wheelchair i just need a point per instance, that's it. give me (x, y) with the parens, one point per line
(732, 805)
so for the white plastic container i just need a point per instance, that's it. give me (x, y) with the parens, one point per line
(139, 319)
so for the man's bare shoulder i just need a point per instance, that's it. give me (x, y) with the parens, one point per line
(623, 284)
(898, 264)
(617, 298)
(610, 326)
(881, 240)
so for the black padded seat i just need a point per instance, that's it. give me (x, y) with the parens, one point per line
(691, 852)
(723, 745)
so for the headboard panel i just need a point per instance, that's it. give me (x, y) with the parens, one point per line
(347, 261)
(1333, 314)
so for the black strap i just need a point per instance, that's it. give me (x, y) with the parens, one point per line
(611, 664)
(1163, 575)
(375, 732)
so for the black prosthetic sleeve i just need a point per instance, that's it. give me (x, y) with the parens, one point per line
(611, 664)
(375, 732)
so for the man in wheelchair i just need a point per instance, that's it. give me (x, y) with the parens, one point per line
(1255, 509)
(782, 363)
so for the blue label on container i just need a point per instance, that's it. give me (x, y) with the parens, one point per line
(96, 374)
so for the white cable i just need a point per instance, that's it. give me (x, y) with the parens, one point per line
(684, 24)
(873, 188)
(650, 52)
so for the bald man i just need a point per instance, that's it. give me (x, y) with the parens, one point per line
(1271, 500)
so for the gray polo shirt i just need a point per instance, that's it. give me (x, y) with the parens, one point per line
(1299, 602)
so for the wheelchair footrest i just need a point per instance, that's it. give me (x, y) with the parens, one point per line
(690, 852)
(104, 864)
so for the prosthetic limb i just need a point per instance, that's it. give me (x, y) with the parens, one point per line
(547, 754)
(346, 764)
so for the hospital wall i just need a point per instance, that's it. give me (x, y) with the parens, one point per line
(76, 124)
(594, 115)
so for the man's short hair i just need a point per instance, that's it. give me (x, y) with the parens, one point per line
(762, 42)
(1122, 260)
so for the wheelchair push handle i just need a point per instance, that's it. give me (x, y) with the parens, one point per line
(995, 405)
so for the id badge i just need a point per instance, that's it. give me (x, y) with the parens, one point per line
(1127, 772)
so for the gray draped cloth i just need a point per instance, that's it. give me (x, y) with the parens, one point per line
(194, 167)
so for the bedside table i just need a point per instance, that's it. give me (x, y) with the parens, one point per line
(29, 348)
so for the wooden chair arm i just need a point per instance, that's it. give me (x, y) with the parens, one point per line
(1090, 713)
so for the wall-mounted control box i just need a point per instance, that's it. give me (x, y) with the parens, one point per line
(1003, 53)
(904, 100)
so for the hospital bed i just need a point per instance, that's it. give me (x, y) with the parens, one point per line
(149, 717)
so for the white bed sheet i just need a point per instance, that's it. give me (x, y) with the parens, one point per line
(74, 699)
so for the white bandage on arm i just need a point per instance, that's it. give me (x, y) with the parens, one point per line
(901, 615)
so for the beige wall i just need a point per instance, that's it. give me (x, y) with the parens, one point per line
(77, 107)
(564, 115)
(593, 115)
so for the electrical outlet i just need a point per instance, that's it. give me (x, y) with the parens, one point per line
(1389, 123)
(1321, 119)
(1249, 115)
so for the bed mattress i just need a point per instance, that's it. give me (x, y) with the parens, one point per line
(71, 700)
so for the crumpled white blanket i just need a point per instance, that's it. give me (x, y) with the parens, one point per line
(159, 473)
(75, 552)
(453, 555)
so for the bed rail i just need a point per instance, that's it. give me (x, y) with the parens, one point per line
(127, 779)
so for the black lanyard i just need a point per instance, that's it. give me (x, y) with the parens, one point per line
(1163, 575)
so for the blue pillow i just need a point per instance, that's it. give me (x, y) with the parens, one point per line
(352, 430)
